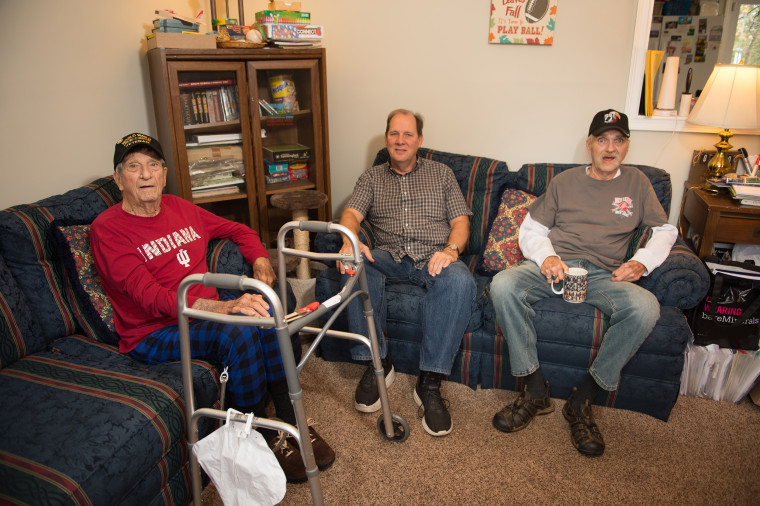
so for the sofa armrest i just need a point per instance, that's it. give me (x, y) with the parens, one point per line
(682, 280)
(224, 256)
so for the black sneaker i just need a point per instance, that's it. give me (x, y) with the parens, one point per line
(432, 408)
(367, 398)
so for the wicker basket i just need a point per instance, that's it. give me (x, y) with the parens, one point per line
(239, 44)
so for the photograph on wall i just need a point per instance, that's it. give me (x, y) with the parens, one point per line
(522, 22)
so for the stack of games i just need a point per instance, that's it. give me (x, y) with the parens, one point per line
(175, 30)
(298, 170)
(284, 24)
(277, 172)
(286, 162)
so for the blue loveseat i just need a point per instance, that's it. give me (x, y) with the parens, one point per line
(568, 334)
(81, 423)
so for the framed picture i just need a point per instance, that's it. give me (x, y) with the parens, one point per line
(522, 22)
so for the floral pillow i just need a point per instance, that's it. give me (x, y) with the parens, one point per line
(502, 251)
(91, 305)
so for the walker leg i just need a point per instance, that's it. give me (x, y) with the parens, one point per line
(387, 417)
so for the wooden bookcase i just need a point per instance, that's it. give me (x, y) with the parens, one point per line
(181, 78)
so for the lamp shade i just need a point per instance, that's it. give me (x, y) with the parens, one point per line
(730, 98)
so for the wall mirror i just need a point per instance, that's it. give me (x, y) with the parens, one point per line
(649, 35)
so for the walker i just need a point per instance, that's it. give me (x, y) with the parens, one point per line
(391, 426)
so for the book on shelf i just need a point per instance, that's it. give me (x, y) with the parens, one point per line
(210, 83)
(207, 102)
(215, 192)
(216, 138)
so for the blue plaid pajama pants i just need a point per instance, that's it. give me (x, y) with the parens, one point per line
(252, 355)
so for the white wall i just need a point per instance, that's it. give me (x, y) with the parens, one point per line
(74, 79)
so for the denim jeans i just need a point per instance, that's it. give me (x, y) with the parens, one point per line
(633, 312)
(446, 308)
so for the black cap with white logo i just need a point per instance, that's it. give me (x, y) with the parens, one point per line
(608, 120)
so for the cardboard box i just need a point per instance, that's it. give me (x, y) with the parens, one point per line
(214, 152)
(292, 32)
(276, 168)
(284, 6)
(277, 179)
(287, 153)
(181, 40)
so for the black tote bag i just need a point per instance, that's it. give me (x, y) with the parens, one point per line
(729, 315)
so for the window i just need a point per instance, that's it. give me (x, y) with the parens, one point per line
(742, 18)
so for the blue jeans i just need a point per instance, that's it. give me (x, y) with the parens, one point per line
(633, 312)
(446, 308)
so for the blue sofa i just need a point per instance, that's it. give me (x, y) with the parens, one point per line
(81, 423)
(568, 334)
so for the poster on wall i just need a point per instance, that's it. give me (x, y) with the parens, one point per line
(522, 22)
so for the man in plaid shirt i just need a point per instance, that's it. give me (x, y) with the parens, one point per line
(421, 223)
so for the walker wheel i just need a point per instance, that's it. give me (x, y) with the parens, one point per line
(400, 428)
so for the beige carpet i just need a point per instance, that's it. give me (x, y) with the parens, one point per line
(708, 453)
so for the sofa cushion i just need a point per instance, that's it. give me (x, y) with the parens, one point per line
(19, 332)
(482, 181)
(92, 307)
(502, 250)
(27, 247)
(110, 422)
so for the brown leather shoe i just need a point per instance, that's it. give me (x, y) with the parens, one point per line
(521, 412)
(323, 454)
(289, 458)
(584, 433)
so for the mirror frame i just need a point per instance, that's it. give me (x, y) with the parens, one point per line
(636, 78)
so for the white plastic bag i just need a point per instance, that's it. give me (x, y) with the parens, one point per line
(241, 465)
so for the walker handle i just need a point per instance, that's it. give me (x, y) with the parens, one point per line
(225, 281)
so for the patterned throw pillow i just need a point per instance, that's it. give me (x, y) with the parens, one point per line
(502, 251)
(91, 306)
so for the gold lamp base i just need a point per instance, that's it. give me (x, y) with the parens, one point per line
(718, 165)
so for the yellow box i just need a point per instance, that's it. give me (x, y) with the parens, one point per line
(181, 40)
(284, 6)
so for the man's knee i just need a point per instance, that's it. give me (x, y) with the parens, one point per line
(459, 282)
(504, 284)
(647, 308)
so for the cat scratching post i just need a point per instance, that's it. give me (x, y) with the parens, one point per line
(299, 202)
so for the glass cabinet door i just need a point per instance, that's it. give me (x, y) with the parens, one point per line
(214, 162)
(287, 133)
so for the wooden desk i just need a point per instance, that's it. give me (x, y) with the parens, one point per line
(718, 218)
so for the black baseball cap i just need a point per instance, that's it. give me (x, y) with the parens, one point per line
(608, 120)
(129, 142)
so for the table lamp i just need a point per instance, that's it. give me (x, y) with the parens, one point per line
(729, 100)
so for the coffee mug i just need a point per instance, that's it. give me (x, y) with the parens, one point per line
(574, 285)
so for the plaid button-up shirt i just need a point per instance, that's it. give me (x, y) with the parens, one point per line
(410, 213)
